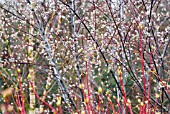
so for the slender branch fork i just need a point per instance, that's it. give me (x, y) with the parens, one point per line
(56, 73)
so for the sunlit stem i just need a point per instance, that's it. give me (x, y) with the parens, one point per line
(31, 69)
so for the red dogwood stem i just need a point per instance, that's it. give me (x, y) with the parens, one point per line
(142, 63)
(87, 79)
(45, 103)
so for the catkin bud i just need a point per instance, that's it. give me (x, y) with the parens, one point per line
(140, 26)
(19, 70)
(58, 103)
(99, 90)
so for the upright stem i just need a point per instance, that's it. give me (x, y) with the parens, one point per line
(88, 88)
(31, 74)
(142, 62)
(21, 94)
(76, 48)
(123, 54)
(149, 84)
(113, 48)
